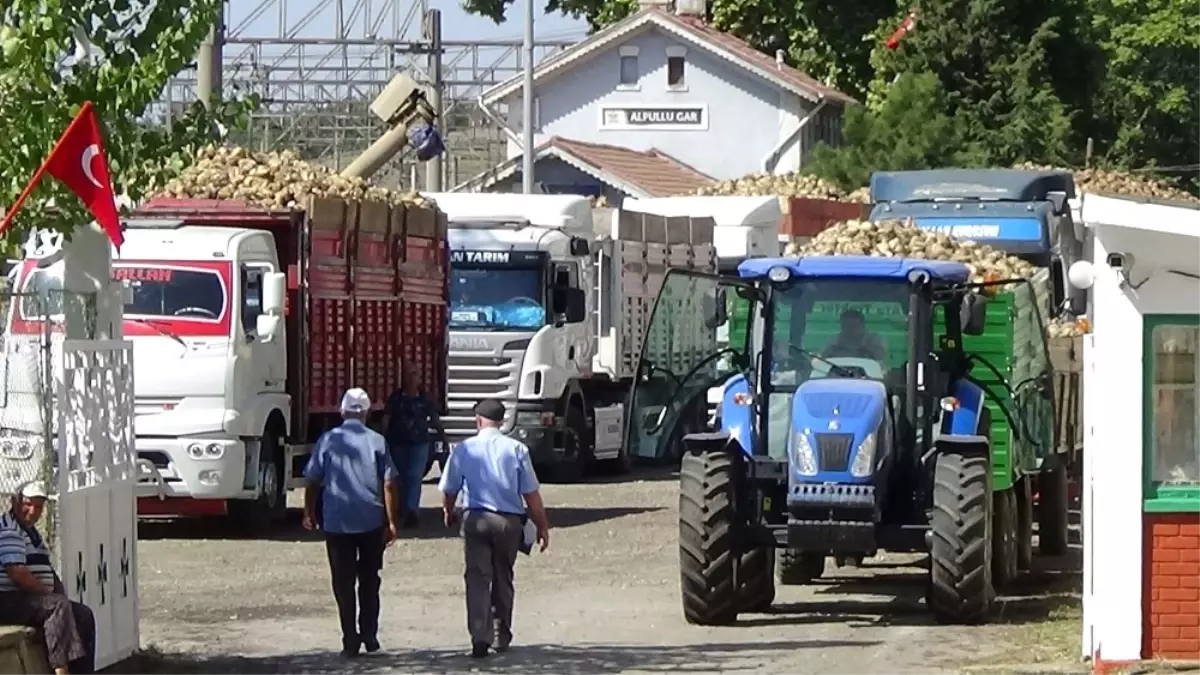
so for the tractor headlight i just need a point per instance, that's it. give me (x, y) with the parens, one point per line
(803, 457)
(864, 458)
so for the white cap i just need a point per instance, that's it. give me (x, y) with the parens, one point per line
(356, 401)
(34, 489)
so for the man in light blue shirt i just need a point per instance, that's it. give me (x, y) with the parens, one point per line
(496, 478)
(351, 473)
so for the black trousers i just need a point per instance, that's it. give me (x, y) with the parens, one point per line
(357, 558)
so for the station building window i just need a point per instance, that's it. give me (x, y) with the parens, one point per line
(629, 67)
(1171, 413)
(677, 68)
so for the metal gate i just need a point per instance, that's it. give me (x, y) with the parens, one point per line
(97, 517)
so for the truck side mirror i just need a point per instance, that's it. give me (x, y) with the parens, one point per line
(569, 303)
(579, 247)
(267, 326)
(973, 314)
(274, 293)
(713, 309)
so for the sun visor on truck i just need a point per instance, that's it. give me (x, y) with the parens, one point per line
(1021, 229)
(497, 259)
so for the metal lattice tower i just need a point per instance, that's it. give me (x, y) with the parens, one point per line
(317, 64)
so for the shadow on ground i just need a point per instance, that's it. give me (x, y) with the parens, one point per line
(525, 659)
(1036, 596)
(431, 526)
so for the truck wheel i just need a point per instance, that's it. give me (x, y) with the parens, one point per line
(706, 542)
(797, 568)
(577, 455)
(756, 579)
(1024, 525)
(1004, 537)
(270, 506)
(1052, 511)
(960, 570)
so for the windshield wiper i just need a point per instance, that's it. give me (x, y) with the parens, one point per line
(160, 330)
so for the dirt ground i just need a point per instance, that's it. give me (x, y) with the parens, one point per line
(604, 598)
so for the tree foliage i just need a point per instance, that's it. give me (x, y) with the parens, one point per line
(119, 54)
(909, 130)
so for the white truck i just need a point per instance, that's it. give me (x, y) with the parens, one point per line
(547, 314)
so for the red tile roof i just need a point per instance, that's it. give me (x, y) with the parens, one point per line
(652, 171)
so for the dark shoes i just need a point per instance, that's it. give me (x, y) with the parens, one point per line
(479, 650)
(371, 646)
(412, 521)
(350, 650)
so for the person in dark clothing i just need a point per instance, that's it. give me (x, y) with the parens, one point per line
(353, 475)
(31, 594)
(408, 415)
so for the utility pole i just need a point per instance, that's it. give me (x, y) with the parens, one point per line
(433, 34)
(527, 104)
(208, 61)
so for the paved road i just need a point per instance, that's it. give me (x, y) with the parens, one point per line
(605, 598)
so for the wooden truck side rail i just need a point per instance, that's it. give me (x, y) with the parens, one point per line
(1066, 358)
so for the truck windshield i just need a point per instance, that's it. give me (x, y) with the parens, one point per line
(838, 328)
(173, 292)
(496, 299)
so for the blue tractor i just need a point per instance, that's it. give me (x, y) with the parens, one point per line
(848, 425)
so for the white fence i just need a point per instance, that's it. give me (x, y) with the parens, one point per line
(97, 514)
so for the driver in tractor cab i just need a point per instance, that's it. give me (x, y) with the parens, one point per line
(854, 341)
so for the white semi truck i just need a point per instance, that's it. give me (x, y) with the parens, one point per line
(547, 313)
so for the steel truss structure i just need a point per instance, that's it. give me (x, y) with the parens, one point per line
(317, 64)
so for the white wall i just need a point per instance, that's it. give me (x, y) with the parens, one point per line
(1113, 422)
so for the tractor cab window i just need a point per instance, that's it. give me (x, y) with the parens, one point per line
(831, 327)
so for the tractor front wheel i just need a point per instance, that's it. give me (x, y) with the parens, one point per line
(707, 552)
(960, 567)
(797, 568)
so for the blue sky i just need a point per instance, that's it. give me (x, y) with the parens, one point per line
(456, 23)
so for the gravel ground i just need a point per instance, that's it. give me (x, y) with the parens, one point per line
(604, 598)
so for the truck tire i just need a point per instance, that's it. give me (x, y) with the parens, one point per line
(1024, 525)
(756, 579)
(960, 570)
(797, 568)
(573, 466)
(707, 553)
(1005, 526)
(1052, 511)
(270, 507)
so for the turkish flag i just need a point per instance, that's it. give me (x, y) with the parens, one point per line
(78, 161)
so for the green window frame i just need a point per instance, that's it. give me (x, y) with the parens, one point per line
(1159, 497)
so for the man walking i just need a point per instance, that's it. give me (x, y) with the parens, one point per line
(352, 475)
(496, 477)
(31, 594)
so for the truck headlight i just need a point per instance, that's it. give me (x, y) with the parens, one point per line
(803, 457)
(864, 458)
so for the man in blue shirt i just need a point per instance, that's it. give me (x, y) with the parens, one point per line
(496, 478)
(352, 475)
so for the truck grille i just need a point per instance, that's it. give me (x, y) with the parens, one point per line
(835, 451)
(473, 377)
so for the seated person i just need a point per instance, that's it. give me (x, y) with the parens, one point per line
(853, 340)
(31, 594)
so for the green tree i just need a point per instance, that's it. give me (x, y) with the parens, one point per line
(1148, 103)
(909, 130)
(992, 60)
(119, 54)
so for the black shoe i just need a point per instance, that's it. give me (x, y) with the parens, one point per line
(371, 646)
(479, 650)
(412, 521)
(350, 652)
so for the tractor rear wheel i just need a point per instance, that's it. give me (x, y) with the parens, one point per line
(797, 567)
(756, 579)
(707, 553)
(1052, 510)
(960, 570)
(1005, 526)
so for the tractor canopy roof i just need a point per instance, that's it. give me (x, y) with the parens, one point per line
(856, 267)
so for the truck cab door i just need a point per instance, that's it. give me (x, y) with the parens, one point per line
(266, 360)
(682, 356)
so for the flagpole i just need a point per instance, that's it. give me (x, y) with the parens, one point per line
(16, 206)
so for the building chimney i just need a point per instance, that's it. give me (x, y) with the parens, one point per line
(779, 59)
(693, 8)
(654, 4)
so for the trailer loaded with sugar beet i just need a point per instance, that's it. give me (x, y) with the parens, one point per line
(823, 452)
(258, 288)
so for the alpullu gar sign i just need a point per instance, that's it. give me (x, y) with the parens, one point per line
(646, 117)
